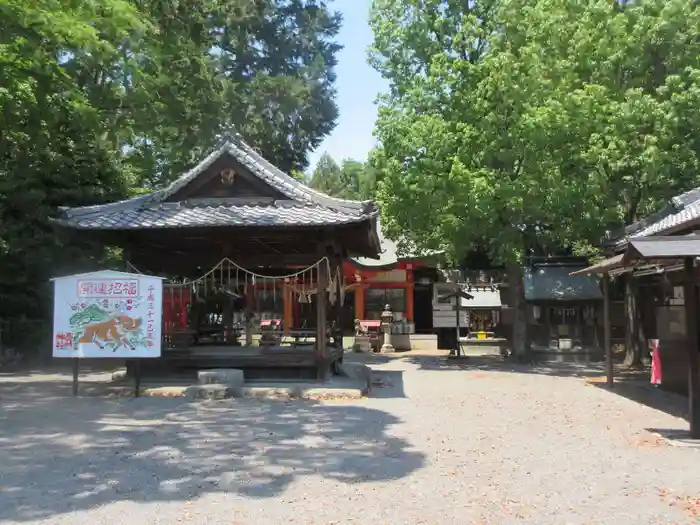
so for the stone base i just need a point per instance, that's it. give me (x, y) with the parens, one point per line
(232, 377)
(362, 344)
(212, 391)
(358, 372)
(387, 349)
(423, 342)
(119, 375)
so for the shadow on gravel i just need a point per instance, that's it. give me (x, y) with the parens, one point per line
(424, 362)
(632, 384)
(60, 455)
(493, 363)
(640, 391)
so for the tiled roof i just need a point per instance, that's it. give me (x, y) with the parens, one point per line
(305, 207)
(680, 210)
(389, 255)
(687, 214)
(174, 215)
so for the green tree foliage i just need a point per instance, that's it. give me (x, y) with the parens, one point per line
(351, 180)
(326, 176)
(529, 125)
(360, 178)
(105, 98)
(52, 149)
(263, 66)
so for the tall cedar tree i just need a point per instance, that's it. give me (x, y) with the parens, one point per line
(106, 98)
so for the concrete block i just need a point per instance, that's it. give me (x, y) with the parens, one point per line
(424, 342)
(361, 344)
(359, 372)
(401, 342)
(119, 375)
(221, 376)
(191, 392)
(211, 391)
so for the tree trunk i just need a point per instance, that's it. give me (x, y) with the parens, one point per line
(519, 341)
(635, 341)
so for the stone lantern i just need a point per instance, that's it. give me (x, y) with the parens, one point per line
(387, 319)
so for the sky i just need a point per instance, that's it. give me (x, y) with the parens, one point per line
(358, 86)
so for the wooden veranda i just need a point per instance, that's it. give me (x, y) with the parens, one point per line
(239, 241)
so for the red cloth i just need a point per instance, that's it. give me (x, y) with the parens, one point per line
(366, 325)
(656, 375)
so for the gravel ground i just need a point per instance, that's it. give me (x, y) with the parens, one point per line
(435, 444)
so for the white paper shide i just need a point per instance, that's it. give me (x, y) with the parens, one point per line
(107, 315)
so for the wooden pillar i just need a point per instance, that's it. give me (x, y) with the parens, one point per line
(322, 362)
(409, 296)
(340, 312)
(288, 318)
(296, 310)
(249, 309)
(691, 324)
(458, 298)
(607, 331)
(227, 318)
(360, 302)
(579, 323)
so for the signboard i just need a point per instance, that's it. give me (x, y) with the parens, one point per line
(443, 319)
(107, 314)
(390, 276)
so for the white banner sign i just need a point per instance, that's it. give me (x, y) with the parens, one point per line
(107, 314)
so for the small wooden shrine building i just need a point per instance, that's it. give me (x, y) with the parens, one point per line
(401, 281)
(239, 242)
(564, 310)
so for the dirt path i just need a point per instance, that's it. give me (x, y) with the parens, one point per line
(435, 444)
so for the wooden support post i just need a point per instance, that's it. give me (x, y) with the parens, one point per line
(691, 322)
(76, 375)
(137, 377)
(579, 324)
(288, 319)
(227, 318)
(458, 299)
(249, 309)
(359, 302)
(607, 333)
(409, 296)
(340, 312)
(322, 364)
